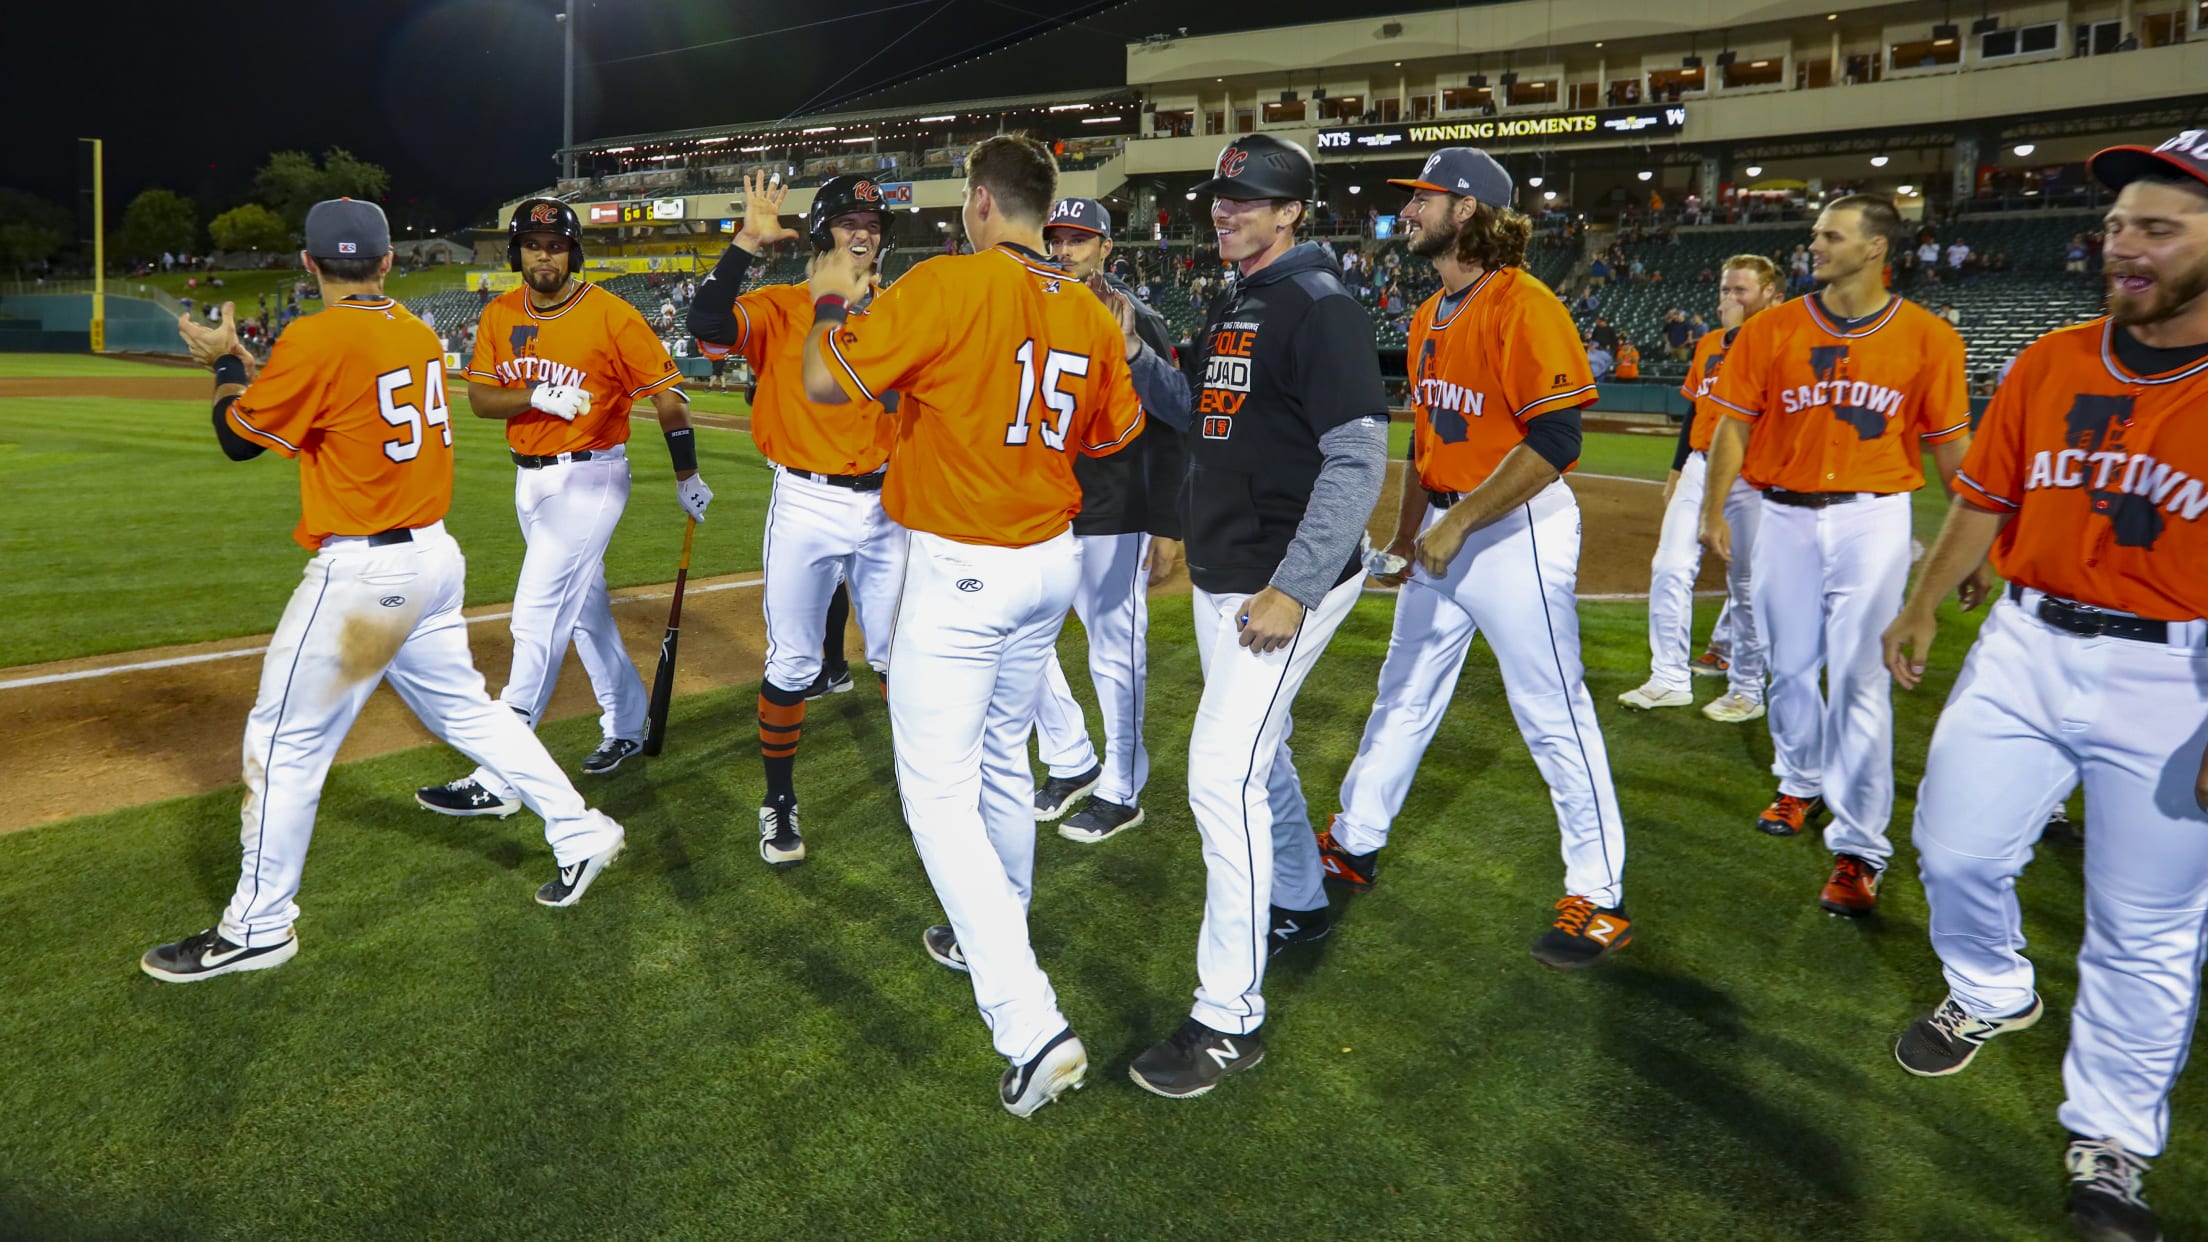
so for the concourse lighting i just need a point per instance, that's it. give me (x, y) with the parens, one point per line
(1548, 195)
(1097, 120)
(1878, 161)
(820, 129)
(2024, 149)
(1535, 182)
(1906, 191)
(1190, 196)
(1753, 170)
(1356, 189)
(707, 142)
(952, 117)
(849, 141)
(1069, 107)
(1645, 175)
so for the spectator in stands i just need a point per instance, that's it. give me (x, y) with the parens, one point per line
(2130, 42)
(1705, 276)
(1629, 361)
(1948, 312)
(1678, 337)
(1957, 251)
(1599, 361)
(667, 308)
(1635, 271)
(1598, 272)
(2073, 258)
(1697, 327)
(1589, 301)
(1998, 261)
(483, 291)
(429, 319)
(1604, 334)
(1928, 256)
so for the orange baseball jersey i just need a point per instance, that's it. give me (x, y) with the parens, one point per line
(2105, 472)
(1006, 367)
(1709, 355)
(357, 394)
(1509, 342)
(592, 339)
(1844, 409)
(771, 324)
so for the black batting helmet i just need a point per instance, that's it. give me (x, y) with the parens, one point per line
(1262, 166)
(840, 196)
(545, 215)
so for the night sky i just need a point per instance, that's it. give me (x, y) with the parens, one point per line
(460, 99)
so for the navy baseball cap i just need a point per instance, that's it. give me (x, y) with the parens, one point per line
(1468, 171)
(346, 228)
(1080, 213)
(2187, 154)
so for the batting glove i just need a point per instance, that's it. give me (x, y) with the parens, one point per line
(566, 402)
(694, 496)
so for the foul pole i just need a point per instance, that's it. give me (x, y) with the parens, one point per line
(99, 248)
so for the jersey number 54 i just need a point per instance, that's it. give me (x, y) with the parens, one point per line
(408, 445)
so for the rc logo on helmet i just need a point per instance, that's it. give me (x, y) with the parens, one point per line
(544, 213)
(1231, 161)
(867, 192)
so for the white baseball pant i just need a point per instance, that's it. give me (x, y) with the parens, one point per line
(568, 511)
(818, 534)
(360, 615)
(1671, 585)
(1113, 602)
(1826, 584)
(1259, 850)
(1514, 580)
(2034, 711)
(974, 629)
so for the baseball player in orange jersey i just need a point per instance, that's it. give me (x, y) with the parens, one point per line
(825, 521)
(1497, 381)
(1828, 401)
(1748, 283)
(357, 394)
(1007, 367)
(2088, 482)
(561, 361)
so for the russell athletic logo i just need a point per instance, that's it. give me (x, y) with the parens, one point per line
(544, 213)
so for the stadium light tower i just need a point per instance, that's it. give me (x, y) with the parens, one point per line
(567, 96)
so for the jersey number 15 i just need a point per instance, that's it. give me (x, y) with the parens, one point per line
(389, 385)
(1057, 364)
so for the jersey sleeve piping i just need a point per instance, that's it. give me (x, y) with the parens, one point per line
(1134, 426)
(1943, 436)
(1981, 489)
(267, 437)
(835, 350)
(1739, 411)
(1576, 397)
(672, 377)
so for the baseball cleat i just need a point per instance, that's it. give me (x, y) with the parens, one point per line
(465, 796)
(1733, 707)
(609, 755)
(1193, 1059)
(1339, 866)
(568, 887)
(1583, 934)
(1788, 815)
(1056, 795)
(207, 954)
(1711, 663)
(942, 945)
(1852, 892)
(2062, 830)
(1099, 821)
(778, 839)
(1060, 1067)
(831, 681)
(2107, 1202)
(1944, 1041)
(1649, 696)
(1290, 928)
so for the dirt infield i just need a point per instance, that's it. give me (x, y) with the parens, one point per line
(119, 730)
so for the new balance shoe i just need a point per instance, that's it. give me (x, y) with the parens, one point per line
(207, 954)
(2107, 1201)
(1944, 1041)
(779, 842)
(1788, 815)
(830, 681)
(609, 755)
(568, 887)
(942, 945)
(1583, 934)
(1099, 820)
(1711, 663)
(465, 796)
(1193, 1059)
(1290, 928)
(1060, 1067)
(1357, 872)
(1648, 696)
(1852, 892)
(1733, 707)
(1057, 794)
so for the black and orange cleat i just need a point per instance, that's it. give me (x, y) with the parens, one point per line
(1853, 889)
(1583, 934)
(1339, 866)
(1788, 815)
(1711, 663)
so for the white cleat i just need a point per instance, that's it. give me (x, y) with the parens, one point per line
(1733, 707)
(1649, 696)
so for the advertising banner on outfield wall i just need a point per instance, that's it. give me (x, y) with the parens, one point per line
(602, 213)
(1498, 132)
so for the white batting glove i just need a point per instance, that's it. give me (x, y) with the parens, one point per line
(694, 496)
(566, 402)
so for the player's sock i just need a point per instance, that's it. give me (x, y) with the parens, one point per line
(781, 720)
(839, 617)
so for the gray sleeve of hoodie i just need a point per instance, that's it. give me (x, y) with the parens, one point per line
(1353, 461)
(1162, 387)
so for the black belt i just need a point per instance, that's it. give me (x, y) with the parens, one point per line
(1442, 500)
(384, 539)
(526, 462)
(2075, 618)
(1810, 500)
(852, 482)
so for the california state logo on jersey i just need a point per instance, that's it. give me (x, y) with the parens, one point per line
(2131, 491)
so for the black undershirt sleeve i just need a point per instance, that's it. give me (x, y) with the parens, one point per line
(1555, 437)
(1685, 449)
(234, 446)
(713, 311)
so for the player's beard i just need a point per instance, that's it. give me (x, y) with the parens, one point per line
(1432, 241)
(2165, 299)
(545, 282)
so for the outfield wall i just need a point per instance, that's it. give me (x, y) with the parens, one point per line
(65, 324)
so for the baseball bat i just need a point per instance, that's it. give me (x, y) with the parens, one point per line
(663, 681)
